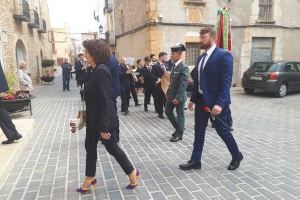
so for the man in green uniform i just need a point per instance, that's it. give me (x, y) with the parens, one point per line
(176, 94)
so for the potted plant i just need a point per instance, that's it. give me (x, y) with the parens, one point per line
(14, 101)
(48, 71)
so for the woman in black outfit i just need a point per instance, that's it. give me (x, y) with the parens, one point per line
(101, 115)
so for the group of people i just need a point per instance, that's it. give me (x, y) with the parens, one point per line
(107, 79)
(103, 79)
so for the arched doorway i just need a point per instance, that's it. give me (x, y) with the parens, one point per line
(20, 52)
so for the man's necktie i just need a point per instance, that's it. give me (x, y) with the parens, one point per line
(200, 72)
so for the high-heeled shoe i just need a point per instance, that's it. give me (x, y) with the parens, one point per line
(91, 184)
(133, 180)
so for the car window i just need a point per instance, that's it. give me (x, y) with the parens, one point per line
(298, 66)
(264, 67)
(290, 67)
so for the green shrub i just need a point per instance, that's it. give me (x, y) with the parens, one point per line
(47, 63)
(11, 81)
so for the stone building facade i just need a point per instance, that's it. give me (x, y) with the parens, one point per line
(262, 30)
(24, 36)
(61, 44)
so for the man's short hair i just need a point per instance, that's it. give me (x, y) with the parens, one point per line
(162, 54)
(147, 59)
(79, 55)
(209, 30)
(138, 61)
(152, 55)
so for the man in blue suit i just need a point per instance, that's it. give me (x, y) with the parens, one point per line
(212, 77)
(6, 124)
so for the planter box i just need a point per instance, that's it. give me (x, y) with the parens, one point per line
(17, 105)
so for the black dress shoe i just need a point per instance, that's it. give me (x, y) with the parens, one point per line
(126, 113)
(175, 139)
(137, 104)
(11, 140)
(190, 165)
(174, 134)
(145, 109)
(161, 116)
(235, 163)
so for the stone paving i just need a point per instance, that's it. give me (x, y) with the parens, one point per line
(266, 129)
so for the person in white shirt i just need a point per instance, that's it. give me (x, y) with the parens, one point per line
(24, 77)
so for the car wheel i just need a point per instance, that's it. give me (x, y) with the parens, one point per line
(282, 90)
(248, 91)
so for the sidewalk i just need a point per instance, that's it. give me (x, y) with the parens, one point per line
(11, 153)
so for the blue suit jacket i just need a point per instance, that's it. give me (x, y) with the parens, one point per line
(215, 80)
(114, 68)
(3, 83)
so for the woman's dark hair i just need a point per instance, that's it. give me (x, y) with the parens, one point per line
(98, 49)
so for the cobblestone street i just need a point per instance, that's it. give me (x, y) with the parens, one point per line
(266, 129)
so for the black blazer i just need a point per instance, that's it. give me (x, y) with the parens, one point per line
(124, 78)
(80, 74)
(101, 115)
(3, 83)
(148, 80)
(157, 71)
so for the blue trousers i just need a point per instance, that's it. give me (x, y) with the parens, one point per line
(7, 125)
(66, 82)
(201, 121)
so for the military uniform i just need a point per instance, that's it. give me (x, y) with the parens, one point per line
(177, 90)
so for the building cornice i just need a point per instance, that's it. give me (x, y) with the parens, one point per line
(203, 25)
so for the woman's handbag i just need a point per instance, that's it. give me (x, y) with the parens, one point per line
(82, 116)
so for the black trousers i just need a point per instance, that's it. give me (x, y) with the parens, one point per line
(112, 148)
(134, 95)
(125, 96)
(7, 125)
(159, 99)
(148, 92)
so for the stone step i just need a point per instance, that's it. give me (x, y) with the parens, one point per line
(11, 153)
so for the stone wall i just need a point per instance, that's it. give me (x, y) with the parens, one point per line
(36, 44)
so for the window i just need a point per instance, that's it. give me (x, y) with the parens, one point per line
(264, 67)
(265, 11)
(122, 21)
(290, 67)
(298, 66)
(192, 53)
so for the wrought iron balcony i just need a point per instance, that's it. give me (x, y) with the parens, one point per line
(21, 11)
(43, 26)
(35, 20)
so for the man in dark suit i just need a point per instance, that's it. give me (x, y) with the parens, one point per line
(148, 82)
(6, 123)
(66, 74)
(158, 70)
(176, 94)
(212, 78)
(125, 86)
(80, 70)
